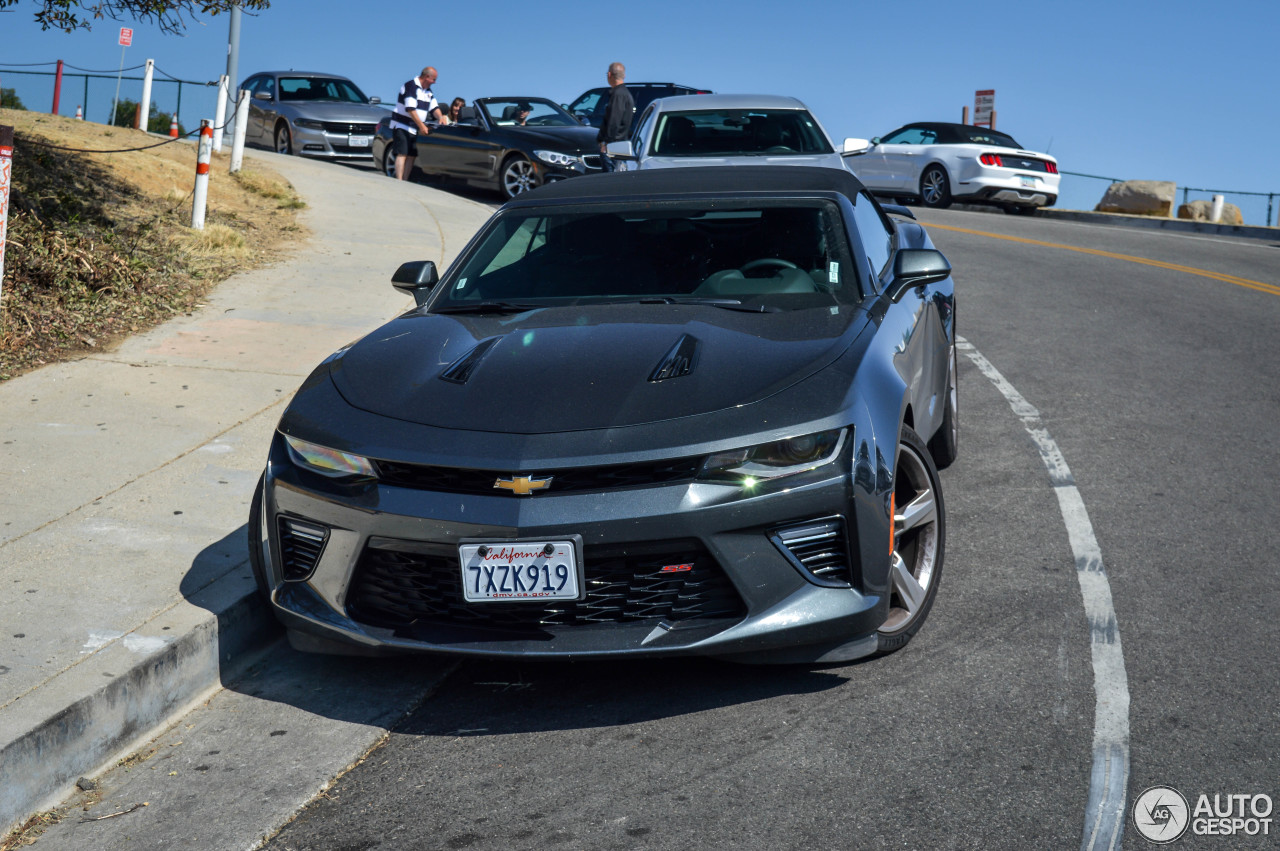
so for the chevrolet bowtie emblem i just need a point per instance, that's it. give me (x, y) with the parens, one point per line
(523, 485)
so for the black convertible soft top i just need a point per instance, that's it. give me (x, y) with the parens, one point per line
(713, 180)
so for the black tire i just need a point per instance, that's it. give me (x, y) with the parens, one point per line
(920, 533)
(284, 139)
(389, 161)
(256, 541)
(518, 175)
(935, 189)
(944, 446)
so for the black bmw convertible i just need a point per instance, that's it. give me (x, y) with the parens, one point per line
(688, 411)
(509, 144)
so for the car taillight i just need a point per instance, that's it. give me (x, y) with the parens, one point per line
(1052, 168)
(990, 159)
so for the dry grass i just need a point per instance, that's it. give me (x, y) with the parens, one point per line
(99, 244)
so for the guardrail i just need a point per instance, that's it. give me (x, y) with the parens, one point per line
(1270, 196)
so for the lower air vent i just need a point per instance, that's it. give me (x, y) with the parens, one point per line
(301, 544)
(820, 549)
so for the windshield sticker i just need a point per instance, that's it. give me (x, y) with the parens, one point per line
(833, 272)
(462, 282)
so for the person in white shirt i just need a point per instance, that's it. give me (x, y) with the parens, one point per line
(414, 105)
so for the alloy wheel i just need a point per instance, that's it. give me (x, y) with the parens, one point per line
(917, 538)
(518, 176)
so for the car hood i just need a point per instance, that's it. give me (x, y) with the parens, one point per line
(568, 369)
(326, 111)
(561, 138)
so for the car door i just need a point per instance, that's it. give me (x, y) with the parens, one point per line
(904, 153)
(476, 153)
(262, 112)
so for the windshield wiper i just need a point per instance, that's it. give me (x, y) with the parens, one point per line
(487, 307)
(726, 303)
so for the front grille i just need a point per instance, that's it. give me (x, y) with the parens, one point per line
(400, 585)
(820, 549)
(459, 480)
(349, 128)
(301, 544)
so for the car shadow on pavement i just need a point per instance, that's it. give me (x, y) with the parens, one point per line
(485, 698)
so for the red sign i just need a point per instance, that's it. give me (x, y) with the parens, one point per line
(126, 36)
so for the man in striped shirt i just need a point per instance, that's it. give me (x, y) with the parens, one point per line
(414, 104)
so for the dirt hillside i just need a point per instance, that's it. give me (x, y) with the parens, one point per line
(100, 246)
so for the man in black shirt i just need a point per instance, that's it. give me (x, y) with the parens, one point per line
(616, 126)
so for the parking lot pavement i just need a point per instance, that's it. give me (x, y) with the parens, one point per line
(125, 478)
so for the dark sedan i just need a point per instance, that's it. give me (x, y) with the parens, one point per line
(679, 412)
(510, 144)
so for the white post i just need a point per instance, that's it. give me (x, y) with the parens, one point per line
(6, 171)
(237, 137)
(203, 156)
(1215, 212)
(145, 120)
(219, 111)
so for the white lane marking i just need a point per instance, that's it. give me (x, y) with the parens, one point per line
(1104, 814)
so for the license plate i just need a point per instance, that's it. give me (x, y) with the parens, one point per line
(1029, 181)
(359, 141)
(524, 570)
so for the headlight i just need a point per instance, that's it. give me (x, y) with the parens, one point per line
(557, 158)
(326, 461)
(773, 460)
(309, 123)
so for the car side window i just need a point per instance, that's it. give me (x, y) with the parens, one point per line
(911, 136)
(875, 233)
(642, 129)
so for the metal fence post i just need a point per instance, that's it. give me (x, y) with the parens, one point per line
(57, 88)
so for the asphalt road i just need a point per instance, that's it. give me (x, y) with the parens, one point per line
(1160, 386)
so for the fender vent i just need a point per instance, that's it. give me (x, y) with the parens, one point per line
(301, 544)
(820, 549)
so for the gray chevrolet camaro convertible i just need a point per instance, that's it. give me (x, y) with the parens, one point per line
(680, 412)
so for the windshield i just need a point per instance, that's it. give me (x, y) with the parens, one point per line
(738, 132)
(320, 88)
(527, 112)
(764, 255)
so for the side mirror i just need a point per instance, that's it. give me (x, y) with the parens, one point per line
(875, 140)
(262, 96)
(856, 146)
(620, 150)
(416, 278)
(916, 267)
(375, 99)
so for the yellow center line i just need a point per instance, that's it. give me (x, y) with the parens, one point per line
(1160, 264)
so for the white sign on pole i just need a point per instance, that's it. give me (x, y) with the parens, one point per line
(984, 101)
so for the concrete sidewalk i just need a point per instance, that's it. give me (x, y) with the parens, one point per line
(125, 480)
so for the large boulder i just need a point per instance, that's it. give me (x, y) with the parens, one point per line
(1140, 197)
(1201, 211)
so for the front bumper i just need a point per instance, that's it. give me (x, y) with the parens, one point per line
(326, 144)
(779, 612)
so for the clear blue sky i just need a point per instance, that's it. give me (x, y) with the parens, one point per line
(1152, 89)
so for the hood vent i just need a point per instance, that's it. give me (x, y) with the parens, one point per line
(679, 361)
(460, 371)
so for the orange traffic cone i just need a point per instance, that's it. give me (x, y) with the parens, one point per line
(173, 127)
(79, 113)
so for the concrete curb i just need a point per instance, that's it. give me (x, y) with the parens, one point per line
(59, 734)
(1153, 223)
